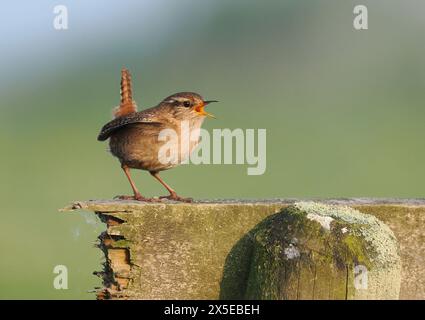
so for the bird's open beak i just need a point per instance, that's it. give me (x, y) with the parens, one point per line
(200, 109)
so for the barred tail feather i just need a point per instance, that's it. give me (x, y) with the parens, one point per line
(127, 105)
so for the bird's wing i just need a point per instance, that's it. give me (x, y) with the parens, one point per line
(118, 123)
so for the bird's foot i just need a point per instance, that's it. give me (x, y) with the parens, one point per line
(137, 197)
(175, 197)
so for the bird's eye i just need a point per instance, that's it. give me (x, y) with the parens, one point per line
(187, 104)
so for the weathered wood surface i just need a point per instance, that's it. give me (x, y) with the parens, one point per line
(177, 250)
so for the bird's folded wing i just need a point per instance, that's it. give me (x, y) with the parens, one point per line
(121, 122)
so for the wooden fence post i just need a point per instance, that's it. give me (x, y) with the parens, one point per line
(216, 249)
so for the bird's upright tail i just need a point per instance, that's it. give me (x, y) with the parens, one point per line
(127, 105)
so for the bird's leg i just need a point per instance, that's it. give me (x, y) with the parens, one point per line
(173, 195)
(137, 195)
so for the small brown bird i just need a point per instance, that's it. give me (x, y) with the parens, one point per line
(134, 136)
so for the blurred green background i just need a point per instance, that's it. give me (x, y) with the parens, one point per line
(344, 111)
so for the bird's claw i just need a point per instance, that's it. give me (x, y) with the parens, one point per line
(175, 197)
(137, 198)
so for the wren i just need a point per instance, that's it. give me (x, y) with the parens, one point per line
(134, 136)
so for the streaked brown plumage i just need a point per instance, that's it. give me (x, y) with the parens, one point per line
(133, 136)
